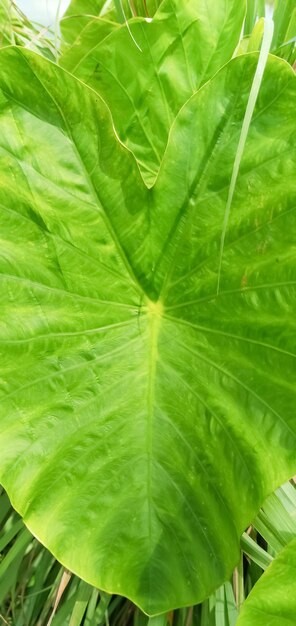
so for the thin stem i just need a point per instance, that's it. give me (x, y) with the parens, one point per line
(263, 56)
(56, 29)
(127, 24)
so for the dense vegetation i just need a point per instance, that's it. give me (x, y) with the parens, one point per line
(147, 206)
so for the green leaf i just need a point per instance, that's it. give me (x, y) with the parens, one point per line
(15, 28)
(7, 13)
(273, 599)
(286, 43)
(140, 428)
(184, 45)
(80, 16)
(276, 521)
(255, 10)
(254, 91)
(282, 17)
(159, 620)
(255, 552)
(230, 606)
(81, 601)
(252, 43)
(224, 607)
(11, 563)
(94, 31)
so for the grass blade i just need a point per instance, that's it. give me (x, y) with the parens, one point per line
(263, 56)
(255, 552)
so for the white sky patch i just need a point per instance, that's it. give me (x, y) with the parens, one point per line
(42, 11)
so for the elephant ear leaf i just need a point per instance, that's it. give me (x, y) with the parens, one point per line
(144, 417)
(273, 599)
(80, 18)
(146, 84)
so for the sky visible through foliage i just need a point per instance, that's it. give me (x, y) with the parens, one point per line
(43, 11)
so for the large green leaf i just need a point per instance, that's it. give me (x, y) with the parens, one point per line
(273, 599)
(144, 418)
(81, 15)
(90, 8)
(93, 32)
(184, 45)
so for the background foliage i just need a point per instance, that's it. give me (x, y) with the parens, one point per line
(33, 585)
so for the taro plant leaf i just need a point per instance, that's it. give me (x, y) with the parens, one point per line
(81, 14)
(183, 46)
(93, 32)
(273, 599)
(144, 418)
(253, 42)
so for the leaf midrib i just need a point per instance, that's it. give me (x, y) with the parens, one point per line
(154, 324)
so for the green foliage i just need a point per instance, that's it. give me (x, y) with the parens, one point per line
(274, 596)
(284, 16)
(92, 312)
(284, 39)
(181, 49)
(16, 29)
(38, 588)
(148, 312)
(82, 16)
(87, 21)
(255, 10)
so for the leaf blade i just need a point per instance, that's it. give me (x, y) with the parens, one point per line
(112, 369)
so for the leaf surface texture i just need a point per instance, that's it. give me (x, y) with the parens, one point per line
(143, 417)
